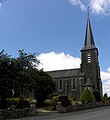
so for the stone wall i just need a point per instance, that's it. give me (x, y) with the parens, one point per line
(81, 107)
(17, 113)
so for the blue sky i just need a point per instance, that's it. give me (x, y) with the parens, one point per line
(56, 30)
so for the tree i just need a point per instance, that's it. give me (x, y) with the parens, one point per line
(44, 85)
(105, 97)
(87, 96)
(14, 74)
(4, 78)
(20, 77)
(27, 60)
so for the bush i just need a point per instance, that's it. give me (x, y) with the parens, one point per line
(48, 102)
(87, 97)
(54, 101)
(52, 95)
(64, 101)
(23, 103)
(97, 95)
(13, 101)
(105, 97)
(18, 103)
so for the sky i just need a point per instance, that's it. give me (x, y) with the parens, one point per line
(55, 30)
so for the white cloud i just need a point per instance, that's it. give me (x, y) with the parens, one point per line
(108, 69)
(106, 87)
(99, 7)
(58, 61)
(78, 3)
(0, 4)
(105, 76)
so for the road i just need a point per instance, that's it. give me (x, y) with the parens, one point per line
(102, 113)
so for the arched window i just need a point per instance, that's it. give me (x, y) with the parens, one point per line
(60, 85)
(73, 86)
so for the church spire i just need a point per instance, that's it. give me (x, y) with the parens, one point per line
(89, 40)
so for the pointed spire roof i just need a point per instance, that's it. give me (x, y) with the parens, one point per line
(89, 40)
(88, 83)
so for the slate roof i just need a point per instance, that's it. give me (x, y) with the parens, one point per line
(66, 73)
(89, 40)
(88, 83)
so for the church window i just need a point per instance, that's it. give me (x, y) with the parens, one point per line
(73, 84)
(89, 57)
(60, 84)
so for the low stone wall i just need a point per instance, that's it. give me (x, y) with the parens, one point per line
(17, 113)
(81, 107)
(20, 113)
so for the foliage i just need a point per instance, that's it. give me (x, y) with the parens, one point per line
(87, 97)
(97, 95)
(14, 72)
(44, 85)
(12, 101)
(48, 102)
(52, 95)
(105, 97)
(19, 102)
(23, 103)
(64, 101)
(54, 101)
(19, 77)
(27, 60)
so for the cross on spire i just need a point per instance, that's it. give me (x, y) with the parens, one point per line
(89, 40)
(88, 10)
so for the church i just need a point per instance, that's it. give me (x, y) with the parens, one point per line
(72, 82)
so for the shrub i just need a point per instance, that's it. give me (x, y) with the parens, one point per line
(18, 102)
(87, 97)
(13, 101)
(54, 101)
(23, 103)
(48, 102)
(52, 95)
(105, 97)
(97, 95)
(64, 101)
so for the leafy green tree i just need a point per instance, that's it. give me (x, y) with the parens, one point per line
(20, 76)
(44, 85)
(87, 97)
(105, 97)
(14, 77)
(5, 61)
(27, 60)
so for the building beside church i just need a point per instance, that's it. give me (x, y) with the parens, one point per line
(73, 82)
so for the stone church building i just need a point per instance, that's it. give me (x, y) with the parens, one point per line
(73, 82)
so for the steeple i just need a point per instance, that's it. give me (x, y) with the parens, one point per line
(89, 60)
(89, 40)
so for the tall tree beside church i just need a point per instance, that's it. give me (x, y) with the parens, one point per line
(14, 74)
(43, 85)
(4, 78)
(19, 76)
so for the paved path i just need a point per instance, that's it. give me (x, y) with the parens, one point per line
(102, 113)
